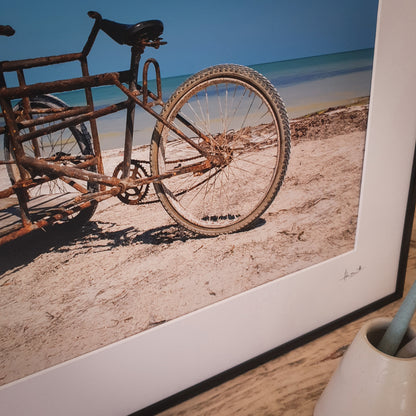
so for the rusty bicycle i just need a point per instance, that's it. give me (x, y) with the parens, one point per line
(217, 156)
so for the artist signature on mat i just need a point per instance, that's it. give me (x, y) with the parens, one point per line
(349, 274)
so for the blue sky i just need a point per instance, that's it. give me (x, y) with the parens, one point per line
(199, 34)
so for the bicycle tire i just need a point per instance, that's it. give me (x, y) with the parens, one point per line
(241, 111)
(53, 195)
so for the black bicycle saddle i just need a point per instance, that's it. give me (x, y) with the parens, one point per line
(123, 34)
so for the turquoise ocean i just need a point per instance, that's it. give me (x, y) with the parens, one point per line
(306, 85)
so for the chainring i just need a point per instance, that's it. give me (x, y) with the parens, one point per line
(133, 196)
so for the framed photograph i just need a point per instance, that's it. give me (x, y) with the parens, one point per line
(177, 313)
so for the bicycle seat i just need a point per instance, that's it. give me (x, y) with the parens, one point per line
(149, 30)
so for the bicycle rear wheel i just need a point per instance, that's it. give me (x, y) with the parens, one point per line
(242, 113)
(54, 195)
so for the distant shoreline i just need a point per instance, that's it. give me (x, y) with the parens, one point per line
(357, 102)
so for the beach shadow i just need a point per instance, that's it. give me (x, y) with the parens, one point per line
(18, 253)
(166, 235)
(171, 233)
(60, 239)
(95, 234)
(107, 239)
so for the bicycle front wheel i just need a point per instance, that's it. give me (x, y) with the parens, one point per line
(242, 114)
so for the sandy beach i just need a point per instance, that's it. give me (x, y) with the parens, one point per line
(132, 268)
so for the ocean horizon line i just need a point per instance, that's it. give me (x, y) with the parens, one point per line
(306, 85)
(308, 57)
(258, 66)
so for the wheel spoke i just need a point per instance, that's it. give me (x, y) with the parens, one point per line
(55, 193)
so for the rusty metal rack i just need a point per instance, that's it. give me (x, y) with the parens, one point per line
(71, 116)
(207, 152)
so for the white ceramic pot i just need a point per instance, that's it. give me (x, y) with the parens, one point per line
(368, 382)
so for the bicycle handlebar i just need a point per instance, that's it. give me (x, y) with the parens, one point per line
(6, 30)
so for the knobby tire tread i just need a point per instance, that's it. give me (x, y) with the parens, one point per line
(268, 91)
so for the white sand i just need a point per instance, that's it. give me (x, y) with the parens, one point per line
(132, 268)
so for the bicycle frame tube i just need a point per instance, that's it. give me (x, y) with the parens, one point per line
(131, 106)
(170, 125)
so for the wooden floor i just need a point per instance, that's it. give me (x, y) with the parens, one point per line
(292, 383)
